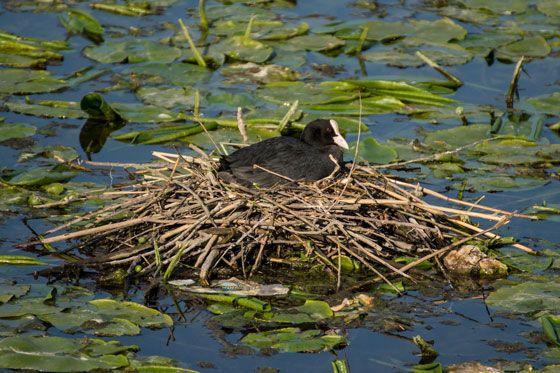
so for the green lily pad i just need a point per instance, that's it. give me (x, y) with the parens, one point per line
(41, 176)
(132, 51)
(48, 109)
(251, 72)
(317, 309)
(372, 151)
(393, 57)
(19, 260)
(54, 354)
(533, 46)
(16, 81)
(158, 364)
(549, 104)
(80, 22)
(16, 131)
(444, 170)
(482, 44)
(179, 74)
(527, 297)
(549, 7)
(306, 93)
(134, 312)
(478, 16)
(293, 340)
(439, 31)
(243, 48)
(168, 98)
(312, 42)
(498, 6)
(60, 153)
(501, 182)
(14, 60)
(453, 138)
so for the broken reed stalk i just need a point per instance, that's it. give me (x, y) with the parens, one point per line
(513, 84)
(183, 214)
(284, 124)
(452, 78)
(197, 56)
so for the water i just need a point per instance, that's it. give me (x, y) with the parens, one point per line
(461, 328)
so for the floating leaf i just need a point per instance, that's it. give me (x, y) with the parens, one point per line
(80, 22)
(439, 31)
(312, 42)
(498, 6)
(168, 98)
(501, 182)
(55, 354)
(16, 81)
(317, 309)
(251, 72)
(534, 46)
(41, 176)
(134, 312)
(549, 104)
(164, 134)
(180, 74)
(16, 131)
(394, 57)
(97, 108)
(59, 153)
(372, 151)
(19, 260)
(551, 328)
(527, 297)
(48, 109)
(243, 48)
(549, 7)
(132, 51)
(453, 138)
(293, 340)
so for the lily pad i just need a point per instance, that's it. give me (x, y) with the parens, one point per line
(372, 151)
(527, 297)
(549, 104)
(549, 7)
(501, 182)
(293, 340)
(453, 138)
(80, 22)
(439, 31)
(16, 131)
(243, 48)
(41, 176)
(48, 109)
(551, 328)
(313, 42)
(498, 6)
(16, 81)
(533, 46)
(179, 74)
(132, 51)
(134, 312)
(168, 98)
(55, 354)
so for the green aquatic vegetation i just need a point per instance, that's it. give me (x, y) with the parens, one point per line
(97, 108)
(129, 9)
(498, 6)
(478, 16)
(551, 328)
(439, 31)
(482, 44)
(39, 176)
(497, 182)
(16, 131)
(312, 42)
(251, 72)
(527, 297)
(548, 104)
(164, 134)
(18, 51)
(19, 260)
(243, 48)
(455, 137)
(250, 303)
(545, 211)
(179, 74)
(372, 151)
(134, 312)
(56, 354)
(393, 57)
(166, 97)
(77, 21)
(132, 51)
(59, 153)
(19, 81)
(531, 46)
(549, 7)
(294, 340)
(48, 109)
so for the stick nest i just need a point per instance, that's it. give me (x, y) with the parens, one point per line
(180, 212)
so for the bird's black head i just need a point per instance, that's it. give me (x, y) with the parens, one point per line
(323, 132)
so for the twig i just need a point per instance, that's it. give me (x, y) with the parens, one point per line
(283, 126)
(241, 126)
(513, 84)
(452, 78)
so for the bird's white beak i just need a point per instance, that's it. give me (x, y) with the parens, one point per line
(338, 139)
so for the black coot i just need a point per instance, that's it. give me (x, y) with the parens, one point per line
(306, 158)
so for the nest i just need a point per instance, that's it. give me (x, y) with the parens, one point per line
(180, 212)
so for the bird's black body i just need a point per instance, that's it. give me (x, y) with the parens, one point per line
(307, 158)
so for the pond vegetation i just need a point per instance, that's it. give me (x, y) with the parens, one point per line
(460, 96)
